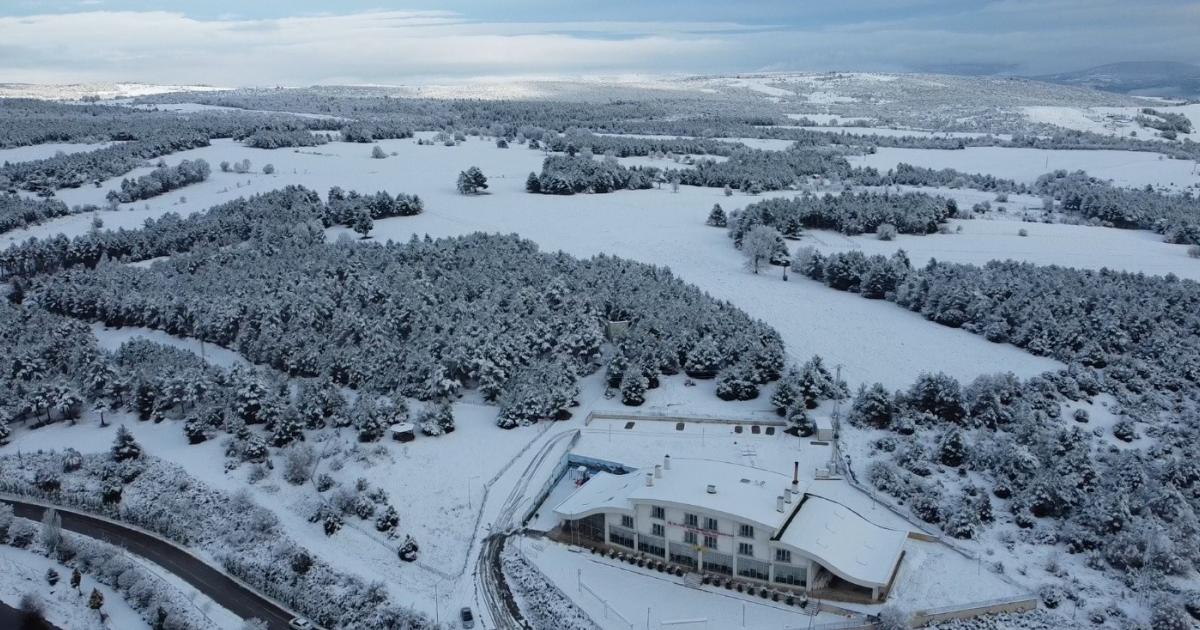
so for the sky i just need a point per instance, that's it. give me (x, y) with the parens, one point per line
(304, 42)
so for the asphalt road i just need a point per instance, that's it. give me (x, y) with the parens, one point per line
(216, 585)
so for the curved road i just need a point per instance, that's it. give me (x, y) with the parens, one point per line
(222, 589)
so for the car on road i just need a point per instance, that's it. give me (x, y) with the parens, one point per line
(468, 619)
(300, 623)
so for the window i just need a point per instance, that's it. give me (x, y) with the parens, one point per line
(745, 549)
(746, 531)
(689, 538)
(691, 520)
(626, 521)
(656, 511)
(657, 529)
(783, 555)
(710, 523)
(710, 542)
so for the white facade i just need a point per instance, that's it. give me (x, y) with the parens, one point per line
(738, 521)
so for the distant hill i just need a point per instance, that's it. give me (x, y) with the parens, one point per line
(1145, 78)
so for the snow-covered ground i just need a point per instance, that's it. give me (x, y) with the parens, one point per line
(892, 132)
(187, 108)
(1112, 121)
(25, 572)
(768, 144)
(981, 240)
(1125, 168)
(874, 341)
(647, 598)
(48, 150)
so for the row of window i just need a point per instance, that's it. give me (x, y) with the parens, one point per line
(691, 520)
(710, 542)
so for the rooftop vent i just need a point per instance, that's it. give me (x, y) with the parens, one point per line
(712, 489)
(658, 471)
(649, 479)
(779, 503)
(667, 462)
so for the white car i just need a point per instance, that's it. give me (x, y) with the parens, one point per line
(300, 623)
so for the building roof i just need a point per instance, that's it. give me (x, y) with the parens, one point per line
(844, 542)
(742, 492)
(603, 492)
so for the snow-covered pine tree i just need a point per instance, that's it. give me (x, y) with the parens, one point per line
(736, 383)
(785, 393)
(716, 217)
(124, 446)
(704, 360)
(873, 407)
(444, 415)
(633, 387)
(533, 184)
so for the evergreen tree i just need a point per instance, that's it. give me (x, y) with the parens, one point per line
(533, 184)
(704, 360)
(873, 407)
(76, 578)
(785, 393)
(736, 384)
(96, 600)
(288, 428)
(716, 217)
(378, 153)
(444, 413)
(387, 520)
(363, 224)
(471, 181)
(124, 446)
(937, 394)
(952, 449)
(633, 387)
(799, 420)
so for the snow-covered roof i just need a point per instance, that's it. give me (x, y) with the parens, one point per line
(742, 492)
(401, 427)
(844, 542)
(604, 492)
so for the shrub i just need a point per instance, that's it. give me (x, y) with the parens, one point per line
(885, 231)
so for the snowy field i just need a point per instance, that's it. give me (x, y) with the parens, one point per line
(1112, 121)
(48, 150)
(769, 144)
(25, 572)
(892, 132)
(187, 108)
(1124, 168)
(982, 240)
(874, 341)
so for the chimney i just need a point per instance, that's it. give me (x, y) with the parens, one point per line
(712, 489)
(658, 470)
(795, 473)
(649, 479)
(667, 462)
(779, 504)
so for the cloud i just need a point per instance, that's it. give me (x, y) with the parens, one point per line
(411, 46)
